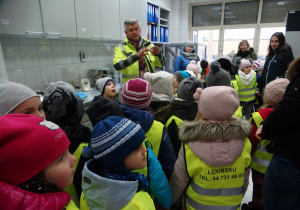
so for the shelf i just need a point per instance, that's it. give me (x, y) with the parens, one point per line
(152, 23)
(158, 23)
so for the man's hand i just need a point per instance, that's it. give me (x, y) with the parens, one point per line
(155, 51)
(258, 133)
(143, 52)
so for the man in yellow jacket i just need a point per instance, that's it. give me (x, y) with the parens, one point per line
(135, 55)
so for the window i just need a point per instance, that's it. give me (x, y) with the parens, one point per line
(210, 38)
(241, 12)
(207, 15)
(275, 10)
(232, 38)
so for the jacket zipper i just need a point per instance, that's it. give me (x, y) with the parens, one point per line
(269, 69)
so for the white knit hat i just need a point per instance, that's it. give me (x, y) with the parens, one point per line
(101, 84)
(161, 82)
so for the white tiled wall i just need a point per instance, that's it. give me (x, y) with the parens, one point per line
(3, 74)
(37, 62)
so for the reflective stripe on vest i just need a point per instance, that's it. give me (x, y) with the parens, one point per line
(246, 93)
(132, 71)
(261, 157)
(140, 201)
(177, 120)
(216, 187)
(195, 205)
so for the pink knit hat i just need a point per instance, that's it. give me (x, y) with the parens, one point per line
(244, 63)
(217, 103)
(28, 144)
(256, 63)
(275, 90)
(136, 93)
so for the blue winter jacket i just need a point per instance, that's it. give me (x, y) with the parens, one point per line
(158, 183)
(181, 62)
(166, 155)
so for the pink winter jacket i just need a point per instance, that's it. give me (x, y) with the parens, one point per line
(12, 197)
(216, 143)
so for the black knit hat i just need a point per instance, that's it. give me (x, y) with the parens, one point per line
(62, 105)
(217, 76)
(102, 108)
(187, 88)
(203, 64)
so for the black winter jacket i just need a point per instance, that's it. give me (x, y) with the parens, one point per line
(275, 67)
(283, 124)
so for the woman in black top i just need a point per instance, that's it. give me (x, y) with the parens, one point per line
(282, 180)
(279, 57)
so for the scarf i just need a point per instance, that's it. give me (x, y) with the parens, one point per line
(39, 186)
(142, 61)
(246, 79)
(133, 176)
(185, 110)
(245, 53)
(190, 56)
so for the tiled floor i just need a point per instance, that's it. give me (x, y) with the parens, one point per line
(248, 195)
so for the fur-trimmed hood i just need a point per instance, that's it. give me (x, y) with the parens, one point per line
(216, 143)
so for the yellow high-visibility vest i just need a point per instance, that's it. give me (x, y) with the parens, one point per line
(216, 187)
(141, 200)
(246, 93)
(125, 49)
(177, 120)
(261, 158)
(71, 188)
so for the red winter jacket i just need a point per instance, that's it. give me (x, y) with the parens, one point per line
(12, 197)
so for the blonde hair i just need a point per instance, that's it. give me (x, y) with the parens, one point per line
(244, 42)
(266, 105)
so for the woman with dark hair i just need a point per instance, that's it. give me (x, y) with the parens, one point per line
(245, 51)
(279, 57)
(282, 180)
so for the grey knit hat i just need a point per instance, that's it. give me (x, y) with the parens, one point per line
(62, 105)
(189, 43)
(12, 95)
(101, 84)
(187, 88)
(217, 76)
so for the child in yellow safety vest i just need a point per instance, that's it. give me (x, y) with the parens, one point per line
(212, 168)
(274, 92)
(246, 81)
(117, 149)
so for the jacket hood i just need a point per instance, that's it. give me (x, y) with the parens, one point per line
(216, 143)
(13, 197)
(114, 194)
(185, 110)
(142, 117)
